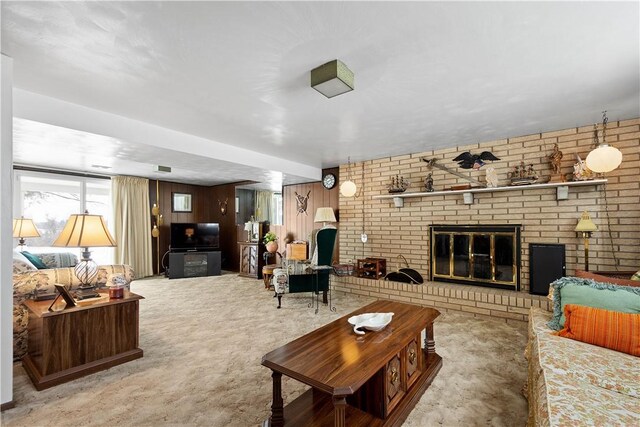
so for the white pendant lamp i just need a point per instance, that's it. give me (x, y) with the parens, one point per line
(348, 188)
(604, 158)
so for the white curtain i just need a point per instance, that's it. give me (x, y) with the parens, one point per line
(263, 205)
(132, 223)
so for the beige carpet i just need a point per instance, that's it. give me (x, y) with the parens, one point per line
(203, 340)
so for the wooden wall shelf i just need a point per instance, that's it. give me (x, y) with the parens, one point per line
(562, 191)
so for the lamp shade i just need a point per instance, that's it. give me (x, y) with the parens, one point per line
(332, 79)
(348, 189)
(248, 226)
(24, 227)
(604, 158)
(585, 224)
(83, 231)
(325, 215)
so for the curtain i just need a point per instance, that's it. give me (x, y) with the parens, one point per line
(132, 223)
(263, 205)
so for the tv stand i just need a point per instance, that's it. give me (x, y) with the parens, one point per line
(194, 264)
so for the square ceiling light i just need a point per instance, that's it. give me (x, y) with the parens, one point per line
(332, 79)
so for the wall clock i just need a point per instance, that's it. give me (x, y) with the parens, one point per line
(329, 181)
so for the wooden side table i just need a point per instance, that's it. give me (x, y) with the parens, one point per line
(70, 343)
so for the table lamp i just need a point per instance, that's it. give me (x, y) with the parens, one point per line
(84, 231)
(325, 215)
(248, 227)
(24, 227)
(586, 227)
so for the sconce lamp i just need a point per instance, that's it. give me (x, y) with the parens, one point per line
(604, 158)
(586, 227)
(84, 231)
(325, 215)
(24, 227)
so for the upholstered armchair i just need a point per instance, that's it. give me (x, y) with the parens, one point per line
(325, 242)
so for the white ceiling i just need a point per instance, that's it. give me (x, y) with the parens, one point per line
(427, 74)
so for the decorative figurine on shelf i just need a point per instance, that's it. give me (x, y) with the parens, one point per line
(491, 176)
(398, 184)
(580, 170)
(428, 183)
(555, 159)
(467, 160)
(523, 175)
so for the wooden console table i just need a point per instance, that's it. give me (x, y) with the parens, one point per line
(357, 380)
(77, 341)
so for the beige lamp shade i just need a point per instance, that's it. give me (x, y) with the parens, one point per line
(24, 227)
(585, 224)
(325, 215)
(248, 226)
(604, 158)
(84, 231)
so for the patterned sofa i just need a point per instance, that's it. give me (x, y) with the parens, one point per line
(28, 284)
(573, 383)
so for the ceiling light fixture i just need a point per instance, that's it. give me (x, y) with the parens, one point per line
(604, 158)
(332, 79)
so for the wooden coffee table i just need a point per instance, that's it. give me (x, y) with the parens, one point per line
(357, 380)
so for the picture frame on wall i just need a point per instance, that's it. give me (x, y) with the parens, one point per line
(181, 202)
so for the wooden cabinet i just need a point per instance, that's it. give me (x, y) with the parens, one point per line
(70, 343)
(251, 259)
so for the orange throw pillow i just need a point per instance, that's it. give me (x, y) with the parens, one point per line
(605, 328)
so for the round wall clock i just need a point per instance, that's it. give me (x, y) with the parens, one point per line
(329, 181)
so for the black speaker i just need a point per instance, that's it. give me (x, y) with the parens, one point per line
(546, 264)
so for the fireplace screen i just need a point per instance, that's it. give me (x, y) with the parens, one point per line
(480, 255)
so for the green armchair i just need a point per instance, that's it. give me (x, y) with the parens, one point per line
(325, 241)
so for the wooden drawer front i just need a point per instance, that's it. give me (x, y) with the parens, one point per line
(413, 356)
(394, 382)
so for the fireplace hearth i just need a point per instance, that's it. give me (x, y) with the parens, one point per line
(482, 255)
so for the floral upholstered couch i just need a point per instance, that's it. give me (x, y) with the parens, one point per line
(572, 383)
(28, 284)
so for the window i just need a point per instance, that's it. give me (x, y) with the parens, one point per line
(276, 209)
(49, 199)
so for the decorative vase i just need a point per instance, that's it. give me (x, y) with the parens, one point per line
(272, 246)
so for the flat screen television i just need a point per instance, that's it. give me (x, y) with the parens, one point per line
(195, 236)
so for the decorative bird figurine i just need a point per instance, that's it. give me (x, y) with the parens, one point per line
(467, 160)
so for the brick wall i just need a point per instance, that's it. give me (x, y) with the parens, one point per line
(394, 231)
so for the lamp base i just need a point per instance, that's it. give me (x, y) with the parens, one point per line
(85, 292)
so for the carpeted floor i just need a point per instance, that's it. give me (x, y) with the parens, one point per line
(203, 340)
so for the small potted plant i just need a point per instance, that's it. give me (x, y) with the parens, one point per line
(271, 241)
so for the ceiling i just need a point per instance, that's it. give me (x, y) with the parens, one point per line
(427, 74)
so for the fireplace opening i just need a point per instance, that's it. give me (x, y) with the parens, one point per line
(483, 255)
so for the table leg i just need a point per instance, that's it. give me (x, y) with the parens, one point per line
(277, 411)
(339, 410)
(429, 340)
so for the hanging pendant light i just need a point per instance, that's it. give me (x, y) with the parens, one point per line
(604, 158)
(348, 188)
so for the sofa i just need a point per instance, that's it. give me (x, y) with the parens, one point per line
(571, 382)
(30, 283)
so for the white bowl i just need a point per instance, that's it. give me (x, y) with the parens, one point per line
(370, 321)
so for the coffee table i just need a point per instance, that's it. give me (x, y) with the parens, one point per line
(357, 380)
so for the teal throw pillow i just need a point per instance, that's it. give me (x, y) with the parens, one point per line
(37, 262)
(587, 292)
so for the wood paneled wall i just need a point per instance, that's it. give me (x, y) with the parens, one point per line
(228, 230)
(299, 226)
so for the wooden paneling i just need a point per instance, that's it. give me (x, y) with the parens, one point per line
(298, 225)
(228, 233)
